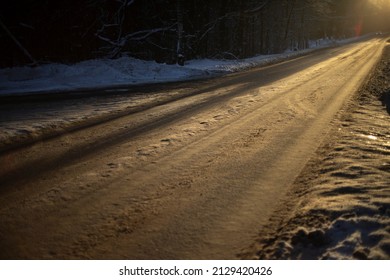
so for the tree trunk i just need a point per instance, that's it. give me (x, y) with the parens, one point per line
(180, 31)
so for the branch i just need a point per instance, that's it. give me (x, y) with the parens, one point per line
(257, 9)
(26, 53)
(136, 36)
(105, 39)
(126, 2)
(213, 23)
(143, 34)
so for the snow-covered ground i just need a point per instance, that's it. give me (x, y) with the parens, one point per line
(342, 205)
(127, 71)
(45, 119)
(341, 209)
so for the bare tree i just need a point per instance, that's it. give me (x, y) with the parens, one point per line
(180, 31)
(20, 46)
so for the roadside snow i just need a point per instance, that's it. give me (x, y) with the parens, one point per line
(341, 208)
(127, 71)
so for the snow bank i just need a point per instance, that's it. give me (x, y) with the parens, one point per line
(343, 211)
(90, 74)
(341, 208)
(126, 71)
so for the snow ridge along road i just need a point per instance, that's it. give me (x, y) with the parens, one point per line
(195, 178)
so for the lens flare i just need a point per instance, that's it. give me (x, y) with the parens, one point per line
(358, 28)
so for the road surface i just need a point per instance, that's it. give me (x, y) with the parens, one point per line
(192, 173)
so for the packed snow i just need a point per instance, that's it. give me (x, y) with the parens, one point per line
(341, 206)
(54, 118)
(342, 210)
(127, 71)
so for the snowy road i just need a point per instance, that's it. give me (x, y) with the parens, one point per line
(181, 173)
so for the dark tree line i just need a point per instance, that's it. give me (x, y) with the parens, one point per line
(173, 30)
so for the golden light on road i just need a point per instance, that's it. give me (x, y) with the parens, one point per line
(383, 5)
(379, 2)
